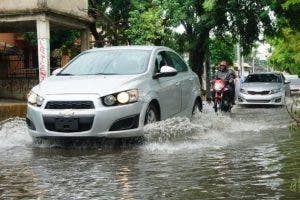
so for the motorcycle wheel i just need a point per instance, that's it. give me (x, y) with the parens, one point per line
(216, 105)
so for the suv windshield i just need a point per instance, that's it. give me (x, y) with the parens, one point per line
(263, 78)
(108, 62)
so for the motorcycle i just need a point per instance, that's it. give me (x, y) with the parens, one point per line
(221, 98)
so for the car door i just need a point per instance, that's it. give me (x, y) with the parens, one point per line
(168, 88)
(185, 78)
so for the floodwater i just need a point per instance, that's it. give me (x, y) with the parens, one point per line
(249, 154)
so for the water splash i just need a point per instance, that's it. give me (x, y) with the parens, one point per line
(208, 130)
(13, 133)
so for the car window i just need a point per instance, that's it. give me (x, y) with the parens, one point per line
(177, 62)
(276, 78)
(118, 62)
(161, 60)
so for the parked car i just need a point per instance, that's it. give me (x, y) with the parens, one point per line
(294, 85)
(113, 92)
(264, 88)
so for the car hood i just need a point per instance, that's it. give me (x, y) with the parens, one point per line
(261, 86)
(102, 85)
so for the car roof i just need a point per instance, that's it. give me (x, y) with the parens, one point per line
(133, 47)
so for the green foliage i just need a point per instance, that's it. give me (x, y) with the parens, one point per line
(286, 54)
(146, 26)
(63, 40)
(222, 48)
(111, 20)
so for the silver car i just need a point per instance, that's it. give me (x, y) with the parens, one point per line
(113, 92)
(264, 88)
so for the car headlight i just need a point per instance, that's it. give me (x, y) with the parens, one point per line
(124, 97)
(243, 91)
(34, 99)
(274, 91)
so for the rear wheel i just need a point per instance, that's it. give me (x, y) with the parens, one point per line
(151, 114)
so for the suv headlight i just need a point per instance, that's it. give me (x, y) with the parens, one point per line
(124, 97)
(274, 91)
(35, 99)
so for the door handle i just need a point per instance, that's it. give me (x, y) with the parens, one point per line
(177, 83)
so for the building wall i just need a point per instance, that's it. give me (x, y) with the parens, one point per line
(16, 88)
(7, 38)
(74, 7)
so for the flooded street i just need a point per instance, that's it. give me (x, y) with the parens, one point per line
(249, 154)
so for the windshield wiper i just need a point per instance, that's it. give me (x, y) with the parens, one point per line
(65, 75)
(104, 74)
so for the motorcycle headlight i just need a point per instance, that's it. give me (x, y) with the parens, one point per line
(35, 99)
(218, 86)
(124, 97)
(274, 91)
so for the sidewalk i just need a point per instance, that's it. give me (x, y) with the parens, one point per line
(12, 108)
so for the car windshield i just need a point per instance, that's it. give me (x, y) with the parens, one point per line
(263, 78)
(108, 62)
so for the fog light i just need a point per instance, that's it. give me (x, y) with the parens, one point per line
(110, 100)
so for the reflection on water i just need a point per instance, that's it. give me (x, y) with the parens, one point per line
(248, 154)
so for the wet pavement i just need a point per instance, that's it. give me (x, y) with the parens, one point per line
(249, 154)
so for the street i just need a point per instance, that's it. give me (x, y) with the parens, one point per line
(249, 154)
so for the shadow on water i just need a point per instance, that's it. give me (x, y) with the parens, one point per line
(261, 106)
(88, 143)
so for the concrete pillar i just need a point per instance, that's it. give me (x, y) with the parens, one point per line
(84, 36)
(43, 39)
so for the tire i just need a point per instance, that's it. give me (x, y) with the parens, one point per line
(216, 106)
(197, 106)
(151, 115)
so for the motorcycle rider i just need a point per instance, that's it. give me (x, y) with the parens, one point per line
(228, 76)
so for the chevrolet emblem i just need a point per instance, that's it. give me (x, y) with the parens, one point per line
(67, 113)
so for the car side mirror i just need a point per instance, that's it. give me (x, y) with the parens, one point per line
(287, 82)
(165, 71)
(56, 71)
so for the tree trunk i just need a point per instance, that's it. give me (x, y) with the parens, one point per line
(98, 40)
(208, 78)
(198, 54)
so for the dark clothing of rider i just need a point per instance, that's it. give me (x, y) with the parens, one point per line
(228, 76)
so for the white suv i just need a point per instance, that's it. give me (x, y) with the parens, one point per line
(113, 92)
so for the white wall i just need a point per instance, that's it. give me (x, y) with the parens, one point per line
(74, 7)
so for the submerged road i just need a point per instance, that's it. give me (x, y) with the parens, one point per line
(249, 154)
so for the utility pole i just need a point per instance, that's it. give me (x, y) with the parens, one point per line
(253, 59)
(238, 52)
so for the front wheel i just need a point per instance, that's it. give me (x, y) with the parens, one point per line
(151, 114)
(216, 105)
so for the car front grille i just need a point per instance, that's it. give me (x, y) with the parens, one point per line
(61, 124)
(258, 101)
(70, 105)
(259, 92)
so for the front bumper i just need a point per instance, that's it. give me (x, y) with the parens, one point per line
(103, 118)
(272, 99)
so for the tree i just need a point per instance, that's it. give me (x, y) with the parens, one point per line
(221, 48)
(146, 23)
(243, 19)
(286, 54)
(111, 21)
